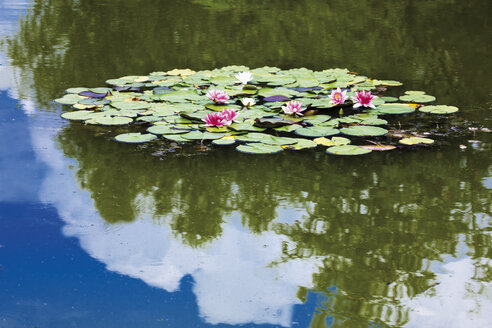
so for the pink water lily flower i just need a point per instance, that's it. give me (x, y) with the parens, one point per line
(293, 107)
(338, 96)
(217, 96)
(215, 119)
(229, 115)
(364, 99)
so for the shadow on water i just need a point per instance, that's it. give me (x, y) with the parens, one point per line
(374, 234)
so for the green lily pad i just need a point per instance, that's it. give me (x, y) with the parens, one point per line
(363, 131)
(197, 135)
(390, 83)
(149, 119)
(116, 120)
(245, 127)
(224, 141)
(316, 131)
(288, 128)
(347, 150)
(69, 99)
(418, 98)
(268, 139)
(415, 92)
(76, 90)
(388, 99)
(335, 141)
(395, 109)
(131, 105)
(258, 148)
(416, 140)
(439, 109)
(79, 115)
(302, 144)
(101, 90)
(164, 129)
(135, 137)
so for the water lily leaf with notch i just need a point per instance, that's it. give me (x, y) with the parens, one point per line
(389, 83)
(388, 99)
(164, 129)
(113, 120)
(195, 116)
(394, 109)
(416, 140)
(92, 94)
(79, 115)
(317, 119)
(182, 95)
(364, 131)
(82, 106)
(268, 92)
(347, 150)
(69, 99)
(245, 126)
(279, 80)
(223, 80)
(135, 137)
(272, 122)
(418, 98)
(76, 90)
(415, 92)
(253, 113)
(181, 72)
(439, 109)
(316, 131)
(135, 105)
(217, 129)
(288, 128)
(250, 137)
(149, 119)
(258, 148)
(101, 90)
(94, 102)
(306, 82)
(335, 141)
(322, 103)
(197, 135)
(373, 121)
(302, 144)
(224, 141)
(268, 139)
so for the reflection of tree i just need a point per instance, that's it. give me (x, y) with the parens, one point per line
(380, 236)
(70, 43)
(377, 225)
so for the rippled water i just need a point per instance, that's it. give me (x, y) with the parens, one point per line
(94, 233)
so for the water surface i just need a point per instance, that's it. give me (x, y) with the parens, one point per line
(95, 233)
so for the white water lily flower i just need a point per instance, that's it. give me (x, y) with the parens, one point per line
(244, 77)
(248, 102)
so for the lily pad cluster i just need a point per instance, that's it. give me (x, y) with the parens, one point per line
(270, 110)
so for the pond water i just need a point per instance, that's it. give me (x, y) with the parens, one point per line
(95, 233)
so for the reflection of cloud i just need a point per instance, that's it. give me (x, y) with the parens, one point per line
(234, 283)
(458, 301)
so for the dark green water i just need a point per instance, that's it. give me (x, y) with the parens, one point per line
(399, 238)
